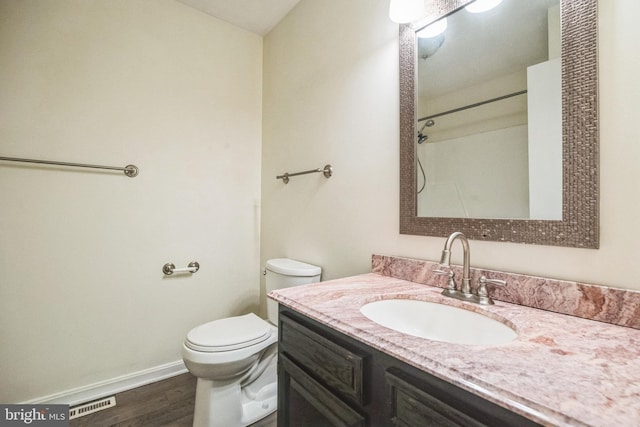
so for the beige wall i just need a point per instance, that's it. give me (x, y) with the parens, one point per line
(331, 96)
(149, 82)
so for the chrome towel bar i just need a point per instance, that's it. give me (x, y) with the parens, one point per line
(327, 171)
(129, 170)
(169, 268)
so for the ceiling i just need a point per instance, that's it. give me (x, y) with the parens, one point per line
(257, 16)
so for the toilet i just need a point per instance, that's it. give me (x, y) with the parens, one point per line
(235, 358)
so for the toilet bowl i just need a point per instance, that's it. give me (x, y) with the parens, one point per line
(225, 355)
(235, 358)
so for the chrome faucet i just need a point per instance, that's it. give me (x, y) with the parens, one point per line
(466, 292)
(445, 260)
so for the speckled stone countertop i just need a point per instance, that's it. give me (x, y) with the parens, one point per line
(560, 371)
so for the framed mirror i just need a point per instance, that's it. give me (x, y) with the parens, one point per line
(499, 123)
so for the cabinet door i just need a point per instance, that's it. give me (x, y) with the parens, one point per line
(420, 400)
(413, 407)
(308, 403)
(333, 365)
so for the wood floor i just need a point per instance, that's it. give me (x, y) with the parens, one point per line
(165, 403)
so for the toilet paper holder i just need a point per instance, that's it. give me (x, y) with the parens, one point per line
(169, 268)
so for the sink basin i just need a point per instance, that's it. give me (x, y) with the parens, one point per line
(438, 322)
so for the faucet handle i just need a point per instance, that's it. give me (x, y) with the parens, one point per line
(483, 295)
(451, 283)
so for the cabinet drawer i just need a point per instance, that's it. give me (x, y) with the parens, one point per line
(331, 364)
(328, 410)
(413, 407)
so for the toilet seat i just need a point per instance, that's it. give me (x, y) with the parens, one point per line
(231, 333)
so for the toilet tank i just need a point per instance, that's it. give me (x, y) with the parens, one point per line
(284, 273)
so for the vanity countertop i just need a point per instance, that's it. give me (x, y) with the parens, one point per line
(560, 370)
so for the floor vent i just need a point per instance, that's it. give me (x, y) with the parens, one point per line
(91, 407)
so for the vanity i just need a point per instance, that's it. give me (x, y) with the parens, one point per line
(339, 368)
(328, 378)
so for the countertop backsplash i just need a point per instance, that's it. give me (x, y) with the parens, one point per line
(611, 305)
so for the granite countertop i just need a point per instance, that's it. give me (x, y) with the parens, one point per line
(560, 370)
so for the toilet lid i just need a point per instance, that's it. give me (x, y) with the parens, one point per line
(231, 333)
(291, 267)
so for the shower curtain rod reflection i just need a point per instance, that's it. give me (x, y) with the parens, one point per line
(129, 170)
(477, 104)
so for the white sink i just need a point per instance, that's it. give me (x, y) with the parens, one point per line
(438, 322)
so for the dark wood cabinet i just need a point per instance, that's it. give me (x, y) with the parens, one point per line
(312, 404)
(328, 379)
(412, 406)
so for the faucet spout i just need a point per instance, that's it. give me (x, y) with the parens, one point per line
(446, 260)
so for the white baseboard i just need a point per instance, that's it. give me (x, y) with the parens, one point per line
(115, 385)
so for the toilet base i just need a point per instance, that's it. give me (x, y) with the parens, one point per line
(227, 404)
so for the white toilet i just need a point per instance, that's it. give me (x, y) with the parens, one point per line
(235, 359)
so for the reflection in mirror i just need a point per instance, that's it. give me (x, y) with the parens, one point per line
(499, 123)
(489, 108)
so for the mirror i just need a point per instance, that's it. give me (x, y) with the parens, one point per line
(499, 131)
(489, 108)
